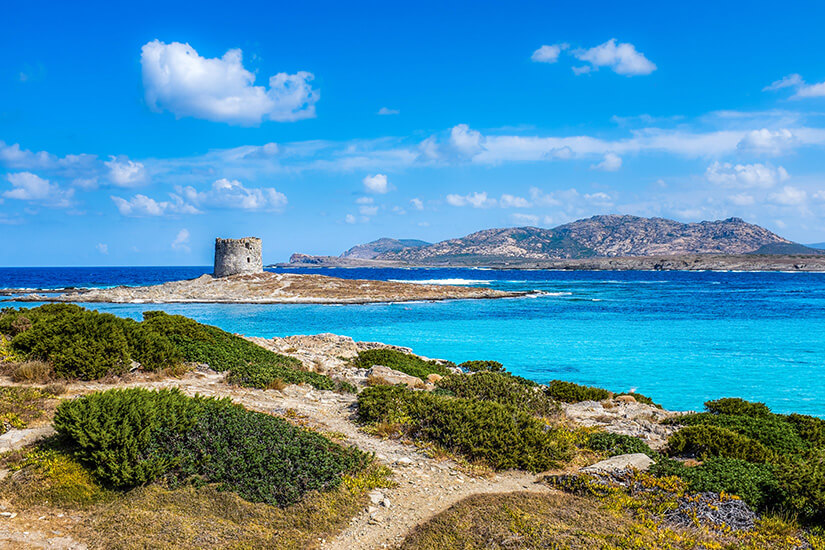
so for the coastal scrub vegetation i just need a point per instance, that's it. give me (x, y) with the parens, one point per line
(500, 387)
(614, 521)
(400, 361)
(139, 469)
(504, 436)
(20, 406)
(773, 461)
(569, 392)
(131, 437)
(76, 343)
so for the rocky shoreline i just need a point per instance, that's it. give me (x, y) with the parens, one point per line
(273, 288)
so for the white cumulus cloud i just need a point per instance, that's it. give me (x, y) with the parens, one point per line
(767, 142)
(376, 184)
(789, 196)
(548, 54)
(465, 140)
(31, 187)
(622, 58)
(418, 204)
(232, 194)
(141, 206)
(177, 79)
(745, 175)
(476, 200)
(124, 172)
(610, 163)
(511, 201)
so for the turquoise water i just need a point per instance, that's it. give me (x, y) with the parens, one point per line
(681, 338)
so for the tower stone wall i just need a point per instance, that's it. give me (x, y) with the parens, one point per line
(238, 256)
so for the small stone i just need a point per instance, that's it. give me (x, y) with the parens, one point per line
(386, 503)
(376, 497)
(404, 461)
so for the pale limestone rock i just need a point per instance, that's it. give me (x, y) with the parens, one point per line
(638, 461)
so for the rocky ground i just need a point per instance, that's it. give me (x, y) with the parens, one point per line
(427, 485)
(273, 288)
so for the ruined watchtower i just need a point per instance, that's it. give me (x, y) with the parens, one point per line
(236, 256)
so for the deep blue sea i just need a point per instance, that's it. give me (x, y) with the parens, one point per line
(679, 337)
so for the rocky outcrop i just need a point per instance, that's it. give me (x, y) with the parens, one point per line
(634, 419)
(274, 288)
(637, 461)
(386, 375)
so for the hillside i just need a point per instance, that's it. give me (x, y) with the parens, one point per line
(372, 249)
(604, 236)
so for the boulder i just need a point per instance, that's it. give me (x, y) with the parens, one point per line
(626, 399)
(638, 461)
(394, 377)
(13, 440)
(433, 378)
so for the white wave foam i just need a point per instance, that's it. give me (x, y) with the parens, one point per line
(442, 281)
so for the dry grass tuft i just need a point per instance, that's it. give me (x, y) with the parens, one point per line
(33, 372)
(276, 384)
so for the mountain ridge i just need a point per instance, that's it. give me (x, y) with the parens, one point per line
(597, 237)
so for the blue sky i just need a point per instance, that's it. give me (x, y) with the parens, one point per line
(134, 135)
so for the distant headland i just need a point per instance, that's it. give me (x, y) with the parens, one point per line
(611, 242)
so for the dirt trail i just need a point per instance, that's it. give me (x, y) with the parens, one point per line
(426, 486)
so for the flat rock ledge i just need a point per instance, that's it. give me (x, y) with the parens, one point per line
(274, 288)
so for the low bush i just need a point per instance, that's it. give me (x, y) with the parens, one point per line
(32, 371)
(402, 362)
(479, 366)
(501, 435)
(772, 431)
(737, 406)
(618, 444)
(85, 344)
(116, 433)
(132, 437)
(499, 387)
(809, 428)
(705, 441)
(263, 375)
(803, 482)
(756, 484)
(568, 392)
(248, 364)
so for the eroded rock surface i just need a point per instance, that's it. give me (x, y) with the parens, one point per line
(274, 288)
(634, 419)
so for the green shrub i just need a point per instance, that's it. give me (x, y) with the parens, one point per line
(501, 435)
(85, 344)
(802, 480)
(258, 456)
(773, 431)
(705, 441)
(809, 428)
(568, 392)
(135, 436)
(756, 484)
(478, 366)
(618, 444)
(261, 375)
(248, 364)
(737, 406)
(403, 362)
(500, 387)
(115, 432)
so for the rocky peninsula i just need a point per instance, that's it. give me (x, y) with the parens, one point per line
(272, 288)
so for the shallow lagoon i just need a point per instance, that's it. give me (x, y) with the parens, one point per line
(680, 337)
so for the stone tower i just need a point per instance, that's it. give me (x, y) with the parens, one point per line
(238, 256)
